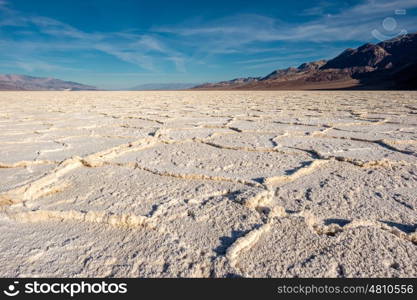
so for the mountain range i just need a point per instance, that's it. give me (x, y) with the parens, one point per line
(162, 86)
(14, 82)
(391, 64)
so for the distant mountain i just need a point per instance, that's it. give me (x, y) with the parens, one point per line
(225, 84)
(391, 64)
(13, 82)
(162, 86)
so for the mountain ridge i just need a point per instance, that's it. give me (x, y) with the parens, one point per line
(162, 86)
(389, 64)
(18, 82)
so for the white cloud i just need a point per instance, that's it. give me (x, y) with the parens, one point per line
(132, 48)
(127, 55)
(3, 4)
(355, 23)
(37, 65)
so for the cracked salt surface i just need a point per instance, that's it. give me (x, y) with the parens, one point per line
(208, 184)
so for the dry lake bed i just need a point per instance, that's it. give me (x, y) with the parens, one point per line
(208, 184)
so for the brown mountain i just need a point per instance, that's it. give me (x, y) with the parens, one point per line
(13, 82)
(391, 64)
(229, 83)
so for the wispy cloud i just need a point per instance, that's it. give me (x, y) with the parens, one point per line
(355, 23)
(35, 65)
(3, 4)
(132, 48)
(256, 63)
(323, 8)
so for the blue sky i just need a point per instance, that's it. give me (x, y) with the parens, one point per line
(118, 44)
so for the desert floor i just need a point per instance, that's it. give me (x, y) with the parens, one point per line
(208, 184)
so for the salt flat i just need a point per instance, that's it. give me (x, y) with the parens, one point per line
(208, 184)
